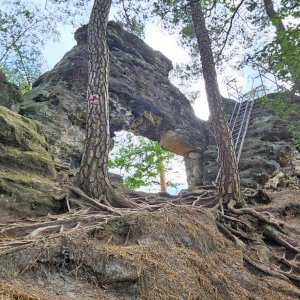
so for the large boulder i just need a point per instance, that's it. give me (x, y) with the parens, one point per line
(142, 99)
(10, 95)
(27, 170)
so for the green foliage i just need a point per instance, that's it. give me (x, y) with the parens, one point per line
(14, 78)
(26, 26)
(34, 205)
(132, 15)
(283, 54)
(281, 106)
(284, 109)
(23, 29)
(294, 127)
(143, 161)
(133, 25)
(242, 34)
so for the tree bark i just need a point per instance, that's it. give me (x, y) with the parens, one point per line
(280, 29)
(229, 187)
(93, 174)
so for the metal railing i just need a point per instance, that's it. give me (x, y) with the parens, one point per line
(239, 119)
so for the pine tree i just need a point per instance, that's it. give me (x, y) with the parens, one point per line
(93, 174)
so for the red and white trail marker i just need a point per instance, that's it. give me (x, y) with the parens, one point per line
(94, 99)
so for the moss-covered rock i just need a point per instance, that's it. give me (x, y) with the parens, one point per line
(27, 170)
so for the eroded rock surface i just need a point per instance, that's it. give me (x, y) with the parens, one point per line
(27, 170)
(268, 159)
(142, 99)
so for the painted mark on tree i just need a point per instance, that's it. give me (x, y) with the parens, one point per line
(94, 99)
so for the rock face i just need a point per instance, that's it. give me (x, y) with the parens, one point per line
(268, 158)
(27, 171)
(142, 99)
(10, 95)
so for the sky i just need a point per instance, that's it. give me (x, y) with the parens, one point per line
(159, 40)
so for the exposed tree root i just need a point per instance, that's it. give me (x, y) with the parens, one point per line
(93, 215)
(240, 233)
(279, 274)
(87, 201)
(269, 232)
(263, 269)
(231, 226)
(226, 217)
(224, 229)
(252, 212)
(289, 264)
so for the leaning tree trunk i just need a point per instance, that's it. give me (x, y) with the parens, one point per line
(93, 173)
(280, 31)
(229, 187)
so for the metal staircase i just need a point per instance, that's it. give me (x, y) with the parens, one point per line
(239, 119)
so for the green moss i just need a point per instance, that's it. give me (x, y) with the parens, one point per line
(18, 190)
(39, 163)
(27, 180)
(26, 167)
(37, 110)
(20, 132)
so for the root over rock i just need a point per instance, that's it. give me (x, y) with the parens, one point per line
(174, 253)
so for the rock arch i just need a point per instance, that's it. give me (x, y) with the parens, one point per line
(142, 101)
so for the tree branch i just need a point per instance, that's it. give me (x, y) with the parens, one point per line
(230, 20)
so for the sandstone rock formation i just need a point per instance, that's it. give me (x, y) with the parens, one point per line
(268, 159)
(142, 99)
(27, 171)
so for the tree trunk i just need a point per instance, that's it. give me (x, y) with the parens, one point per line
(229, 187)
(162, 174)
(93, 174)
(280, 30)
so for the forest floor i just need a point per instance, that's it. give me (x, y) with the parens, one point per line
(175, 250)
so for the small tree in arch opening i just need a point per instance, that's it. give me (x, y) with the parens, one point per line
(143, 160)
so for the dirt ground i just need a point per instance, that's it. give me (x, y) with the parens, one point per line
(172, 253)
